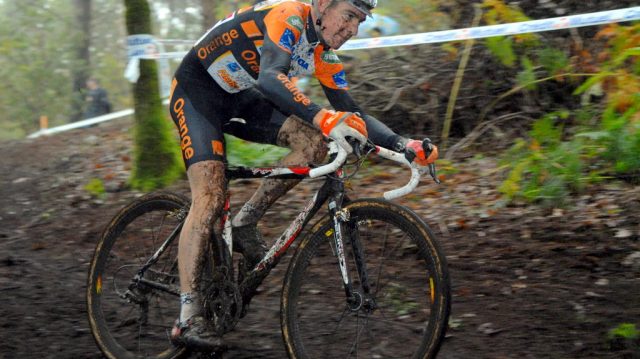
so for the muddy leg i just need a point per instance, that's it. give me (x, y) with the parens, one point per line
(206, 180)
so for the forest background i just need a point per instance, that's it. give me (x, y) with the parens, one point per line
(551, 121)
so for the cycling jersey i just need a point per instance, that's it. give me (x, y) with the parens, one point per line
(242, 68)
(232, 51)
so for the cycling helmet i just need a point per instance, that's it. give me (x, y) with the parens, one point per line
(364, 5)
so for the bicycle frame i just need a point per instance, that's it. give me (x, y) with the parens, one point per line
(331, 191)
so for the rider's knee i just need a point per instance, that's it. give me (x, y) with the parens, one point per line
(317, 148)
(303, 139)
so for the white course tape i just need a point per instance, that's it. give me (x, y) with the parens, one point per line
(525, 27)
(83, 123)
(87, 122)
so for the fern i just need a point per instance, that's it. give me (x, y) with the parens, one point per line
(502, 48)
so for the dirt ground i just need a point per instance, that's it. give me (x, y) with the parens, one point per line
(526, 282)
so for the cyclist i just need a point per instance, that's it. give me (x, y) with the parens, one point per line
(237, 79)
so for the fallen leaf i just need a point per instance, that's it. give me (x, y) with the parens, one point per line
(623, 233)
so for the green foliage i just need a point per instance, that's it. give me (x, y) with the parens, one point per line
(624, 336)
(619, 130)
(38, 60)
(502, 48)
(555, 163)
(623, 140)
(396, 297)
(626, 331)
(35, 82)
(508, 49)
(95, 187)
(240, 152)
(554, 61)
(527, 76)
(547, 169)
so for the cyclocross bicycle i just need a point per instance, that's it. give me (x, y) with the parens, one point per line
(367, 280)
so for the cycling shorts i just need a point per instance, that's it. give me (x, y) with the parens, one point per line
(203, 112)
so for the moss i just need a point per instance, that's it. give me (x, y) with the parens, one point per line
(157, 159)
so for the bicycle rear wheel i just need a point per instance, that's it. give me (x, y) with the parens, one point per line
(409, 301)
(134, 320)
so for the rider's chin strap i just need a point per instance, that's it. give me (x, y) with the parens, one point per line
(317, 27)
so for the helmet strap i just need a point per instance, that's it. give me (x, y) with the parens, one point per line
(318, 23)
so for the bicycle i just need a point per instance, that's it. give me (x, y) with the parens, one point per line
(367, 280)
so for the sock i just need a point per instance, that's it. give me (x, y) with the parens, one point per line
(189, 305)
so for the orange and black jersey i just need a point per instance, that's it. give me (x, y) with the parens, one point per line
(264, 46)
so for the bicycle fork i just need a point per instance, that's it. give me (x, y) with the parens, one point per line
(344, 227)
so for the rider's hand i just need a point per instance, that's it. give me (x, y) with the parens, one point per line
(339, 125)
(424, 151)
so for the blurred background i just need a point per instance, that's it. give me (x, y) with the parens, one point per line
(540, 160)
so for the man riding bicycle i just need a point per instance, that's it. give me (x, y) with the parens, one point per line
(237, 80)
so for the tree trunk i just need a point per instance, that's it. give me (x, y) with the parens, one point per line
(81, 69)
(208, 14)
(157, 160)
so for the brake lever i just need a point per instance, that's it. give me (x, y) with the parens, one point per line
(431, 169)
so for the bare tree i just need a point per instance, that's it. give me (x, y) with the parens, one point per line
(81, 69)
(208, 13)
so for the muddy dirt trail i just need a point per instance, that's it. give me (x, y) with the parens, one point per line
(527, 282)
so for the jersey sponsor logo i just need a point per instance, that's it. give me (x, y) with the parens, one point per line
(185, 140)
(300, 61)
(296, 22)
(298, 96)
(287, 40)
(225, 39)
(224, 75)
(252, 60)
(340, 80)
(330, 57)
(234, 67)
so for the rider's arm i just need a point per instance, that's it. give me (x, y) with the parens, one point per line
(379, 133)
(275, 62)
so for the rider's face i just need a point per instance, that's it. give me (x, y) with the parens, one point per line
(339, 23)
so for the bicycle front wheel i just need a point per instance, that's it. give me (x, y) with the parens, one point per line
(132, 317)
(400, 279)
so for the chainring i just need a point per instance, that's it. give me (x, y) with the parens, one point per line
(222, 302)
